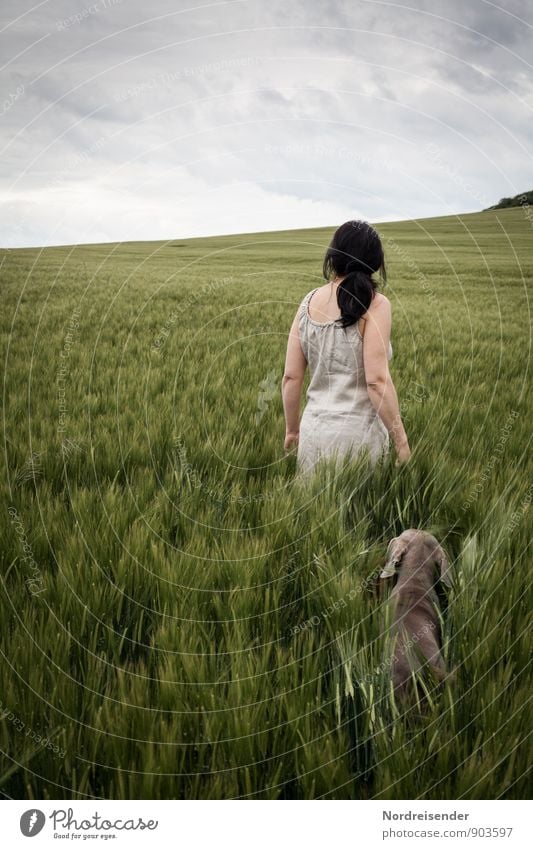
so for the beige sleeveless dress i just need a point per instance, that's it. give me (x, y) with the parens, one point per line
(339, 418)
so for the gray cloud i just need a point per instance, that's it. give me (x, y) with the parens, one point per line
(122, 120)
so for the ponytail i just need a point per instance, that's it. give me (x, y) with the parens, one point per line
(354, 296)
(354, 254)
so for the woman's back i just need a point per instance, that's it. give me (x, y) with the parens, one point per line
(339, 414)
(335, 358)
(340, 333)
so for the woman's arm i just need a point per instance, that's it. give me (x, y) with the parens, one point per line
(380, 387)
(291, 385)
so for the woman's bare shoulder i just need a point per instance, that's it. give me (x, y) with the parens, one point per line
(325, 288)
(378, 302)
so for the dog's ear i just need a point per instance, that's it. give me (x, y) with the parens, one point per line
(395, 551)
(442, 561)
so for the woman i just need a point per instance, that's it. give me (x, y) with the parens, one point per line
(342, 331)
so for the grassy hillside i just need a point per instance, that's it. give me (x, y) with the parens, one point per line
(182, 619)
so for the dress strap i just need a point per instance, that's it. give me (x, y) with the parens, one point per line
(307, 298)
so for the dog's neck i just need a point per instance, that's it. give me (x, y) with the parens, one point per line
(421, 578)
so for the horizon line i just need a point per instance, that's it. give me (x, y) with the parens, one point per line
(333, 227)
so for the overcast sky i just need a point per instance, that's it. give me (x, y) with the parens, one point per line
(122, 119)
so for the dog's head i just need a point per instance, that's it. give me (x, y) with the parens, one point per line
(395, 551)
(398, 546)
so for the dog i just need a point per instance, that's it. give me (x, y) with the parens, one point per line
(420, 562)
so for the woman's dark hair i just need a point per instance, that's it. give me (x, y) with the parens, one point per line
(355, 253)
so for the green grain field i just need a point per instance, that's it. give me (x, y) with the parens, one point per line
(181, 618)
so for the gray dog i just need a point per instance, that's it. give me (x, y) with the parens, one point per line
(419, 560)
